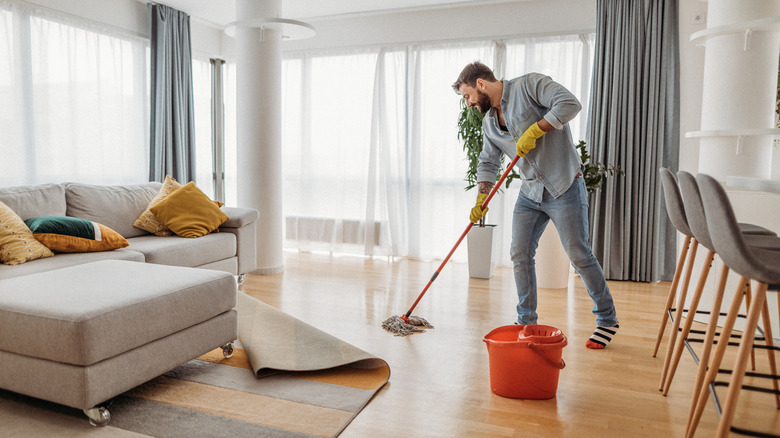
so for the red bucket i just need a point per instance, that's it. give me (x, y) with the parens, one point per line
(525, 361)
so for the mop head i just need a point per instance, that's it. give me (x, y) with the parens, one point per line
(396, 325)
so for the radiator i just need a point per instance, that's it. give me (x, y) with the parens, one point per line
(329, 230)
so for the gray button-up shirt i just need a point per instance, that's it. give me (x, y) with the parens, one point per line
(554, 162)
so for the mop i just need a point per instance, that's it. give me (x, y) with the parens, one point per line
(407, 324)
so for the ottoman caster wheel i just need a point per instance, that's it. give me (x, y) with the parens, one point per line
(227, 350)
(98, 416)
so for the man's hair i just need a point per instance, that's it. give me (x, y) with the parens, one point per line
(472, 72)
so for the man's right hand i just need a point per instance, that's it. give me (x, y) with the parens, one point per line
(477, 212)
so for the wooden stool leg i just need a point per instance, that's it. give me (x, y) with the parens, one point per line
(678, 315)
(709, 339)
(717, 358)
(740, 364)
(770, 352)
(748, 295)
(705, 272)
(672, 293)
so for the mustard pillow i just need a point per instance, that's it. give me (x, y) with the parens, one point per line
(17, 243)
(147, 221)
(188, 212)
(70, 234)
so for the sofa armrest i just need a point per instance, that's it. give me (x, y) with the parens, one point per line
(239, 217)
(243, 223)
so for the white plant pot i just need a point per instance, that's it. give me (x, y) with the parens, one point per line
(552, 263)
(481, 249)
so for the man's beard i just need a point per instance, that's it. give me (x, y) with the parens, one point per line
(483, 102)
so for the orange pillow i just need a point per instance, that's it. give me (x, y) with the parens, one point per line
(70, 234)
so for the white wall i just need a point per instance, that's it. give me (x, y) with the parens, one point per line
(691, 78)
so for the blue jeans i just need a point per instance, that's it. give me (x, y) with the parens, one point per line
(569, 214)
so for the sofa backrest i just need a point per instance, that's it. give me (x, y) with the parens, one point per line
(116, 207)
(35, 200)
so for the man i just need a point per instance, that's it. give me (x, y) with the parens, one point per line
(528, 116)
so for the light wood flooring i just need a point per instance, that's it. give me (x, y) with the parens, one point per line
(440, 380)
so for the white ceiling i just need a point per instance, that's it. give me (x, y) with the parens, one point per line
(221, 12)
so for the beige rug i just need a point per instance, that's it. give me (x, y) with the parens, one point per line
(287, 379)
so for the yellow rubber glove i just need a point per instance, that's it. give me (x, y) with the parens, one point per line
(527, 141)
(477, 212)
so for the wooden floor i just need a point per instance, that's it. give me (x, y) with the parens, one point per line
(440, 380)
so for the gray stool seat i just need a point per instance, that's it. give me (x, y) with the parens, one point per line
(755, 229)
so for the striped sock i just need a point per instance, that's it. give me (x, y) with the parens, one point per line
(601, 337)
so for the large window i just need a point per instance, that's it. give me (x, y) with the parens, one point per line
(372, 163)
(74, 101)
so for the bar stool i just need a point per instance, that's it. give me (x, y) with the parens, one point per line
(676, 212)
(677, 215)
(757, 264)
(694, 211)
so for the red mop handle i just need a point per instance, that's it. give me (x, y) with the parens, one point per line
(468, 228)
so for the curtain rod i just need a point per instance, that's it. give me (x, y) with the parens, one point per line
(403, 45)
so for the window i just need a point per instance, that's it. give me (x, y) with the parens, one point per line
(75, 101)
(371, 159)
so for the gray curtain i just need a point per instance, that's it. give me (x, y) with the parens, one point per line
(172, 135)
(634, 123)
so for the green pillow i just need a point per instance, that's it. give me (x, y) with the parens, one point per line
(70, 234)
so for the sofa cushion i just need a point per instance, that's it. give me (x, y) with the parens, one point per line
(17, 243)
(148, 221)
(116, 207)
(64, 260)
(180, 251)
(36, 200)
(91, 312)
(70, 234)
(188, 212)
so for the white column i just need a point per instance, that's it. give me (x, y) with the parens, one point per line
(739, 86)
(259, 101)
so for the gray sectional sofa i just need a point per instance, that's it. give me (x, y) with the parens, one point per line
(81, 328)
(232, 249)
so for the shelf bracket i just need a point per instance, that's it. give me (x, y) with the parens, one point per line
(748, 38)
(740, 145)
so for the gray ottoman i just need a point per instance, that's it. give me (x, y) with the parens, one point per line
(81, 335)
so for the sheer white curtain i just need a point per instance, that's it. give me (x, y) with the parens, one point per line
(201, 89)
(74, 100)
(326, 137)
(439, 209)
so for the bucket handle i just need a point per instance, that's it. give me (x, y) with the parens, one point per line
(560, 365)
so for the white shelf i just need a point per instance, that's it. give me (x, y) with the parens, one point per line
(761, 185)
(733, 133)
(762, 24)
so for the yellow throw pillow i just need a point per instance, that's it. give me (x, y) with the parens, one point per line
(147, 221)
(70, 234)
(188, 212)
(17, 243)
